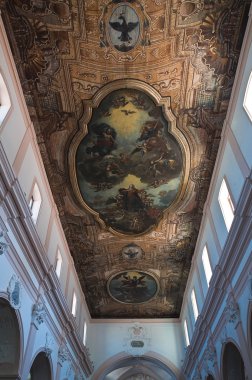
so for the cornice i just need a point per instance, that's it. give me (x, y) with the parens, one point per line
(237, 241)
(19, 219)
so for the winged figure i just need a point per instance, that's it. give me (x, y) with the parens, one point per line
(124, 27)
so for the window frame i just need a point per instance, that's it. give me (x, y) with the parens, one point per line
(84, 333)
(229, 201)
(247, 101)
(206, 250)
(194, 305)
(5, 100)
(74, 305)
(59, 259)
(35, 202)
(186, 333)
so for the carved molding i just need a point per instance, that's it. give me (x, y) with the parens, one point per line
(63, 355)
(232, 311)
(210, 355)
(3, 244)
(38, 314)
(48, 345)
(197, 375)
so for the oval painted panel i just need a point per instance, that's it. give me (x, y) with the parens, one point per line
(129, 167)
(132, 287)
(124, 28)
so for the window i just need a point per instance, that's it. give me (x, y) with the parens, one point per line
(74, 304)
(35, 203)
(58, 263)
(4, 100)
(206, 265)
(84, 333)
(226, 204)
(186, 334)
(194, 305)
(247, 104)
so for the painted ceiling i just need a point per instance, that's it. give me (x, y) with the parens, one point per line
(128, 100)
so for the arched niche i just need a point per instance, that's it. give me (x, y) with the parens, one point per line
(41, 368)
(233, 365)
(9, 341)
(122, 365)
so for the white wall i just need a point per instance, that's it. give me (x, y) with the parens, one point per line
(230, 252)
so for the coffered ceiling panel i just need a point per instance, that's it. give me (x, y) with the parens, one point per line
(128, 100)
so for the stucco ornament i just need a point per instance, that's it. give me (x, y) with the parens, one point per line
(197, 375)
(69, 372)
(38, 314)
(48, 345)
(14, 291)
(210, 355)
(79, 375)
(88, 355)
(63, 355)
(232, 311)
(138, 340)
(3, 244)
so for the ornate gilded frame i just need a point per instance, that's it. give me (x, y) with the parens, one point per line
(144, 38)
(163, 102)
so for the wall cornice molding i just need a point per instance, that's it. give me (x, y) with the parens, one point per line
(18, 216)
(237, 241)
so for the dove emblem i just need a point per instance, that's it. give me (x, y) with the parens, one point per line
(124, 28)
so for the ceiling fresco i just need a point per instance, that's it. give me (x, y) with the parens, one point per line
(128, 99)
(129, 168)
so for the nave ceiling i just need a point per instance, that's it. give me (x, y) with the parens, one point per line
(128, 100)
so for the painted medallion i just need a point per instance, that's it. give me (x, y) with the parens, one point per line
(129, 167)
(132, 287)
(124, 28)
(132, 252)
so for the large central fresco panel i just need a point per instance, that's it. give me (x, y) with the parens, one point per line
(129, 166)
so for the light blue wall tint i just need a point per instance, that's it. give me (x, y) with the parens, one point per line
(231, 172)
(241, 125)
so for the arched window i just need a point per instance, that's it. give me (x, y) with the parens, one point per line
(248, 98)
(226, 204)
(233, 366)
(9, 341)
(40, 369)
(5, 102)
(35, 203)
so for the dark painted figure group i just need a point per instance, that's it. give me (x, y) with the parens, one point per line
(129, 166)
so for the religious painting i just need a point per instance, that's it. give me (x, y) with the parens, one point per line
(132, 287)
(129, 166)
(124, 28)
(132, 252)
